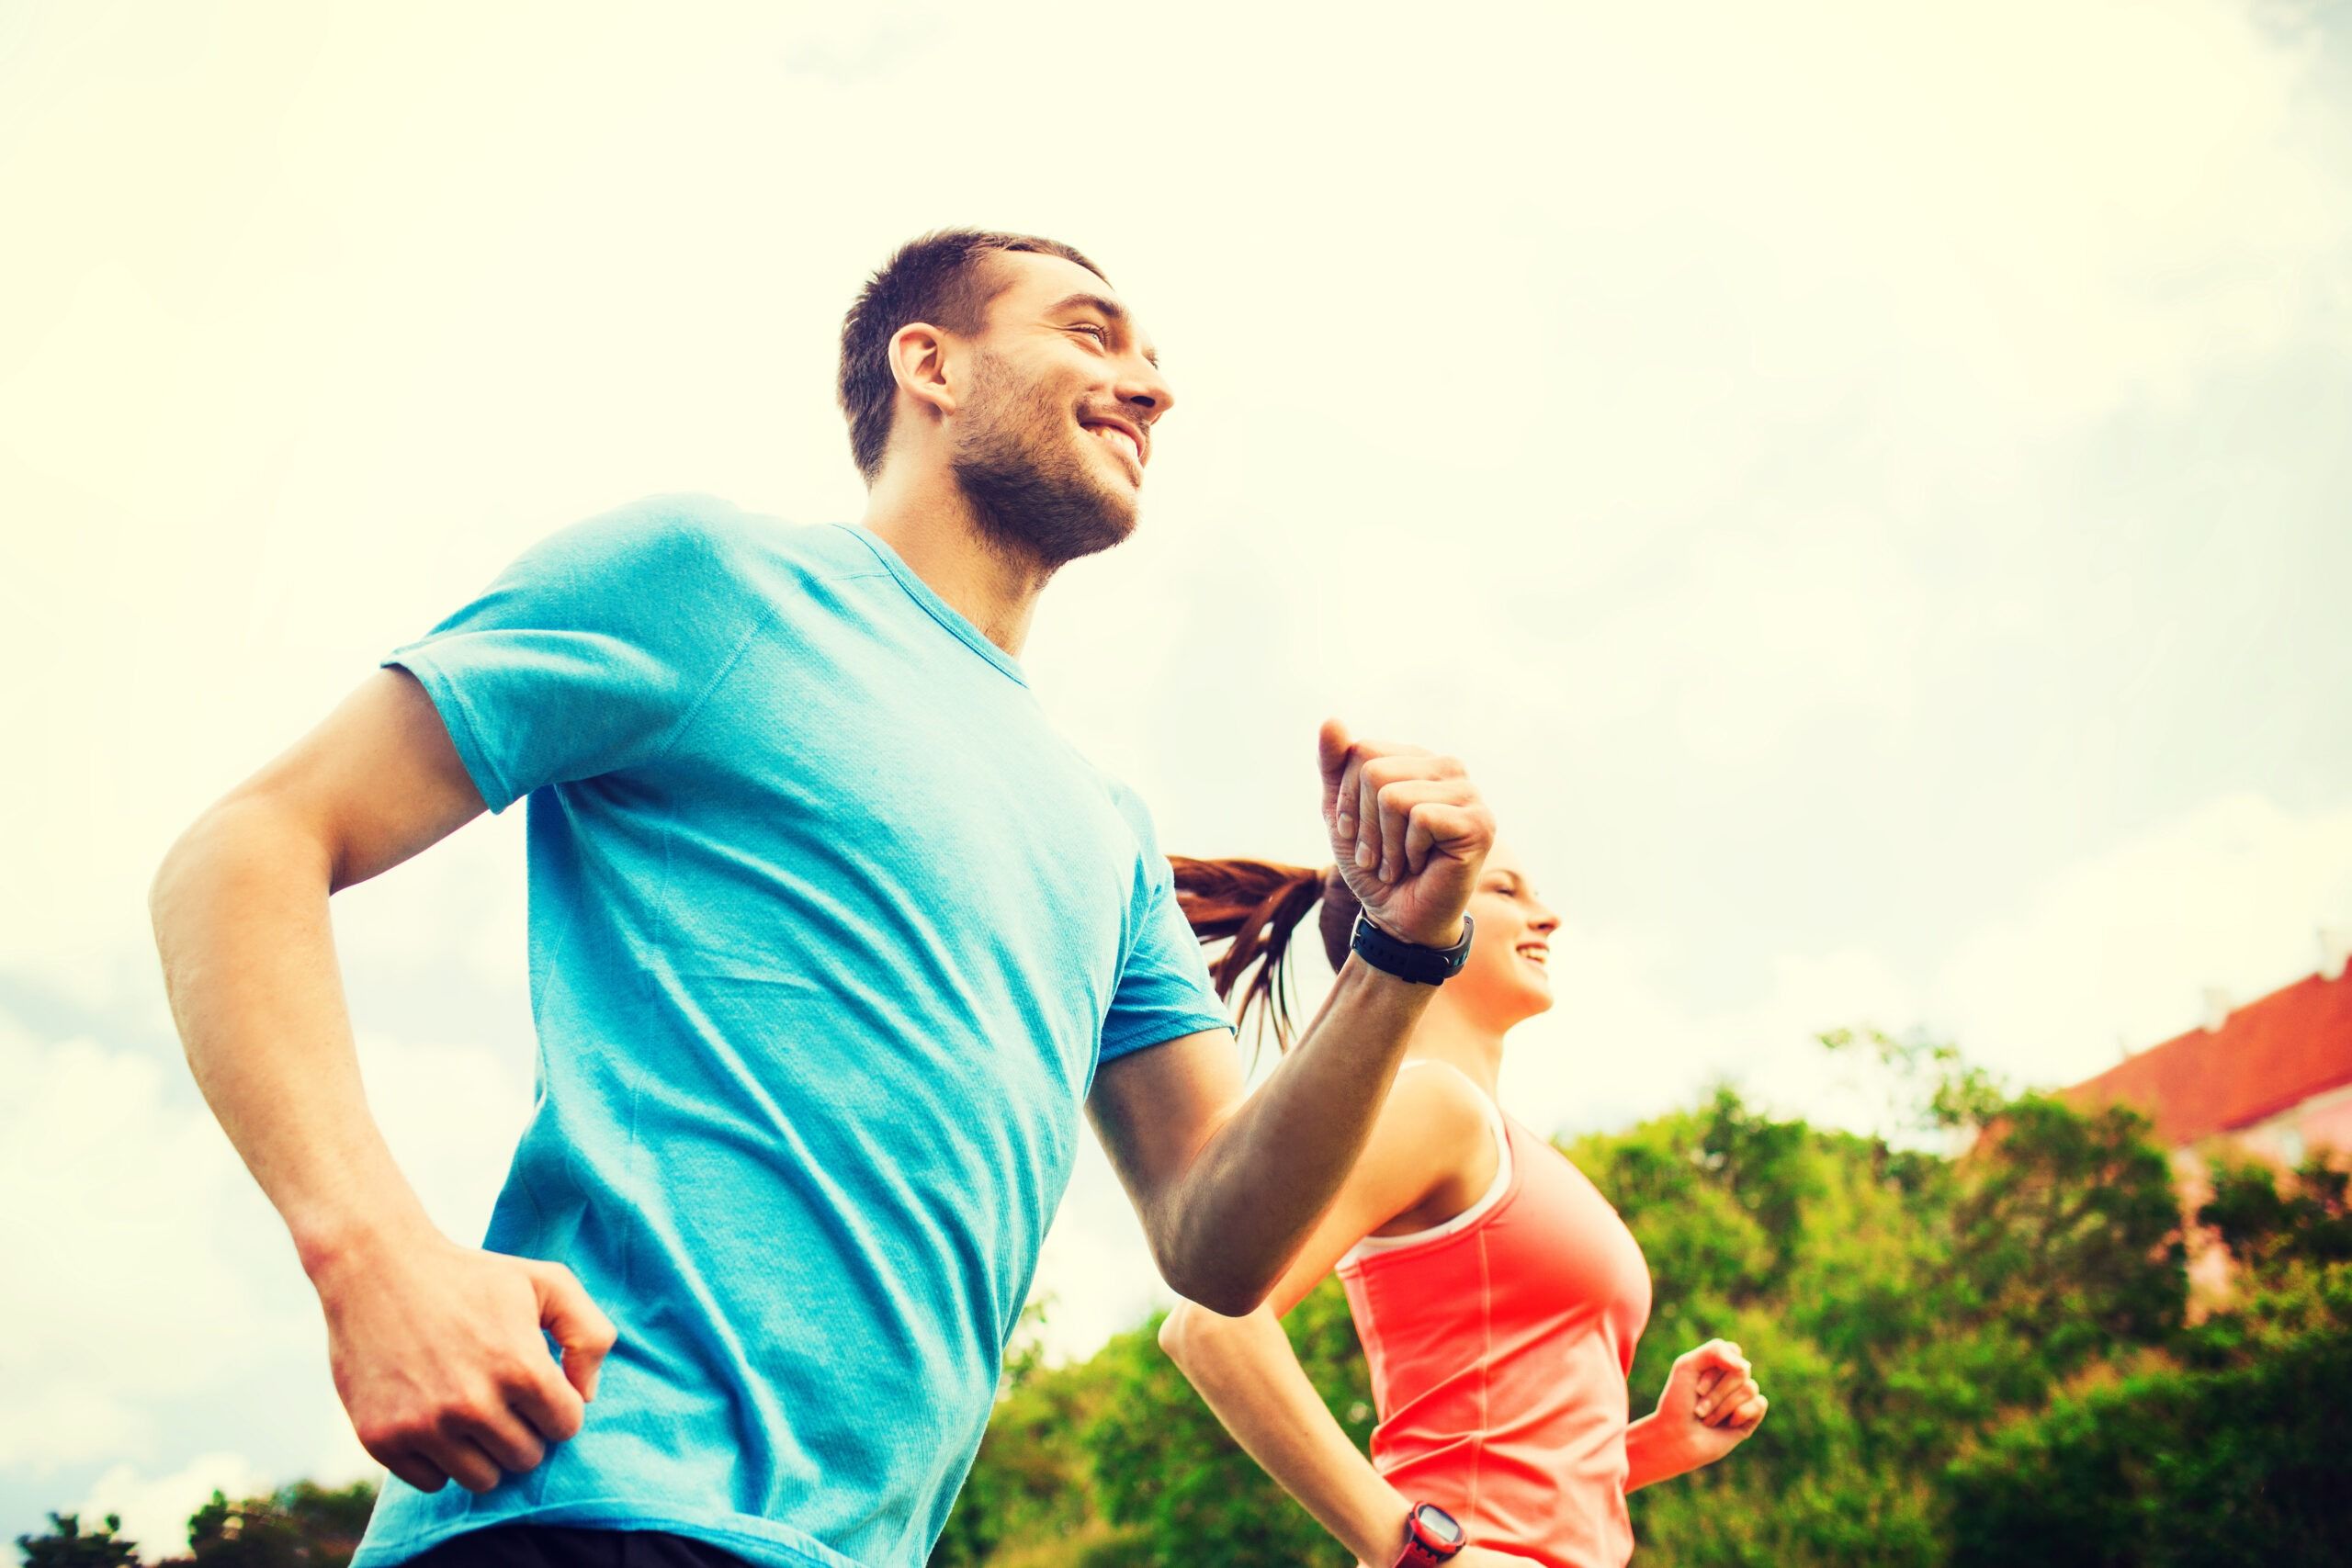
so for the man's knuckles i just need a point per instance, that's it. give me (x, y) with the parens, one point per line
(404, 1434)
(513, 1375)
(463, 1417)
(426, 1422)
(1396, 766)
(564, 1420)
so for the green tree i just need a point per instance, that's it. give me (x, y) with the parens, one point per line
(2266, 1226)
(2237, 1461)
(65, 1545)
(301, 1525)
(1030, 1482)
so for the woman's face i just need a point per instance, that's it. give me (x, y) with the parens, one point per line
(1506, 978)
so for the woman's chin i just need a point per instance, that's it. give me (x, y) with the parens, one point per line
(1534, 996)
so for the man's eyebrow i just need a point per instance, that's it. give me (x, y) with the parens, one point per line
(1111, 308)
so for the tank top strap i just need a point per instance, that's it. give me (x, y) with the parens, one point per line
(1494, 1112)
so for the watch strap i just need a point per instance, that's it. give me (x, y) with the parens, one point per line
(1410, 960)
(1421, 1551)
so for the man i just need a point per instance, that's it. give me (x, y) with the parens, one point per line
(831, 936)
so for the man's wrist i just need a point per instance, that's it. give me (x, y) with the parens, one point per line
(1449, 937)
(333, 1248)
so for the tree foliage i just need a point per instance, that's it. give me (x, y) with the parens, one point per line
(301, 1525)
(66, 1545)
(2228, 1450)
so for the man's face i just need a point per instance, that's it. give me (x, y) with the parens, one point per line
(1055, 424)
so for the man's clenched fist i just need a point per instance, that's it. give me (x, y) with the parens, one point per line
(1408, 830)
(440, 1358)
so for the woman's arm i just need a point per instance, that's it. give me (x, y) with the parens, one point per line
(1427, 1142)
(1710, 1407)
(1248, 1373)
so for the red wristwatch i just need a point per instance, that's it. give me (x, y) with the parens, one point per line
(1430, 1537)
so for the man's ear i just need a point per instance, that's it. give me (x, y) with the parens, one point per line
(918, 363)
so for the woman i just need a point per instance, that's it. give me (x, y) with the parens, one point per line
(1498, 1295)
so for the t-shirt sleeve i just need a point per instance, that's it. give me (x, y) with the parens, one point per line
(590, 653)
(1164, 990)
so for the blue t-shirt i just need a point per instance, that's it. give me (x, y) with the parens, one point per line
(828, 931)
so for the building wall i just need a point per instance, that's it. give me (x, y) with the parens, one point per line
(2322, 1123)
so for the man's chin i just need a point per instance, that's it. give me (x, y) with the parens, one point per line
(1120, 520)
(1107, 519)
(1054, 517)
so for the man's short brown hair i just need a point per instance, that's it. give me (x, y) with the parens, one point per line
(943, 279)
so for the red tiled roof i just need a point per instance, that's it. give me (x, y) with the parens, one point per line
(2270, 1055)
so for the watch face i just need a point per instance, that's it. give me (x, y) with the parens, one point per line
(1437, 1525)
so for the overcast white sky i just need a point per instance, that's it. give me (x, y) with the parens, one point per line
(1864, 487)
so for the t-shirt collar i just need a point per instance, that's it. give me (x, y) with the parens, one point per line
(939, 609)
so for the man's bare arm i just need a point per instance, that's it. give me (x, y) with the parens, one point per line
(1230, 1187)
(1229, 1184)
(436, 1347)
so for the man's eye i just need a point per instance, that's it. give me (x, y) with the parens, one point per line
(1100, 335)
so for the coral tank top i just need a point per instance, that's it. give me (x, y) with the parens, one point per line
(1500, 1344)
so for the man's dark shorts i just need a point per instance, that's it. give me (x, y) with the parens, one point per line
(561, 1546)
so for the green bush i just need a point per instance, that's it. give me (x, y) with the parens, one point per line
(2198, 1469)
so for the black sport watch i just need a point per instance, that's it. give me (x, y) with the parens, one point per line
(1410, 960)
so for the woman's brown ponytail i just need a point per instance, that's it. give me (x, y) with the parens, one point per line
(1254, 906)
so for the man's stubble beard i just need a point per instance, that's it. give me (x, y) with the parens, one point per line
(1032, 494)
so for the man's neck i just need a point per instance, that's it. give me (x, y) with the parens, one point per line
(932, 527)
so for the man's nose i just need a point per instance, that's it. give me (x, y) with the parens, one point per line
(1143, 390)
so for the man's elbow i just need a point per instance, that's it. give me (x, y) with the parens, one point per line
(194, 860)
(1230, 1301)
(1213, 1284)
(236, 847)
(175, 876)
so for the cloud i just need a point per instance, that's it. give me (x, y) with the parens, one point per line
(452, 1115)
(121, 1212)
(151, 1272)
(1617, 1046)
(2116, 952)
(2114, 949)
(60, 1422)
